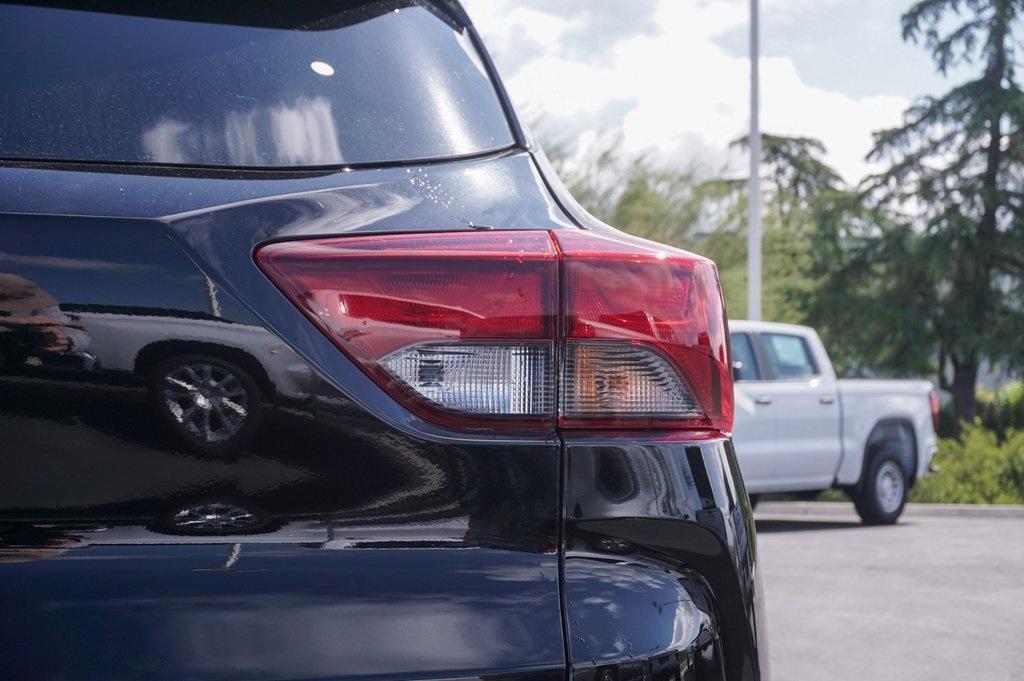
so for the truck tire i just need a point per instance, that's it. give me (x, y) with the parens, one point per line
(883, 493)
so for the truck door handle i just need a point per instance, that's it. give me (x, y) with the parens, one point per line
(763, 400)
(827, 399)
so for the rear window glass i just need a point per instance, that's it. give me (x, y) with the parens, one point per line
(242, 84)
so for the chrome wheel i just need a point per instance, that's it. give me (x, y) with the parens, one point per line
(890, 487)
(207, 400)
(214, 517)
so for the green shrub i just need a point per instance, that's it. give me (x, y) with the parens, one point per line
(977, 468)
(1003, 410)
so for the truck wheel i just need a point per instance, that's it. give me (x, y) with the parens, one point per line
(212, 405)
(881, 497)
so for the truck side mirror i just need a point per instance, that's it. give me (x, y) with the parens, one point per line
(737, 369)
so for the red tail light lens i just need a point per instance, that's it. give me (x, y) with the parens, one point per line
(933, 402)
(666, 306)
(459, 327)
(463, 328)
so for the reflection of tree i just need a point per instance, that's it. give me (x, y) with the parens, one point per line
(33, 327)
(300, 133)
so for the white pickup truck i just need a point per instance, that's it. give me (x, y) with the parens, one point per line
(799, 429)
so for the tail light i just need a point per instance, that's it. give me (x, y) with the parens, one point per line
(645, 336)
(521, 329)
(933, 402)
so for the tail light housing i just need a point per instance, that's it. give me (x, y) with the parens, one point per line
(646, 341)
(521, 329)
(934, 403)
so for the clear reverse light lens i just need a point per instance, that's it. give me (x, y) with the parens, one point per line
(614, 379)
(486, 379)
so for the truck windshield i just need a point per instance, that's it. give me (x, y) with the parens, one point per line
(250, 84)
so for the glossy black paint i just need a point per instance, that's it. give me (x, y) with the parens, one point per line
(333, 535)
(661, 558)
(454, 549)
(300, 607)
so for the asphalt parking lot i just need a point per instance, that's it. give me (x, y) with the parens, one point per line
(939, 596)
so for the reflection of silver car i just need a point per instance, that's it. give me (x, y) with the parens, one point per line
(207, 377)
(136, 342)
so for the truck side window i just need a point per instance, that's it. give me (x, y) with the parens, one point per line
(743, 352)
(789, 356)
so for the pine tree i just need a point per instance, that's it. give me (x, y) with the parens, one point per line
(955, 167)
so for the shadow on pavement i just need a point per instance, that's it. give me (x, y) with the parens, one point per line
(765, 526)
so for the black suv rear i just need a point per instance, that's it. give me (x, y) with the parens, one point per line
(311, 369)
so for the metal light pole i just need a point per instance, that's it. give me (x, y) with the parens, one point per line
(754, 184)
(211, 297)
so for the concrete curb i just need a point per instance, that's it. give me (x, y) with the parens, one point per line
(822, 509)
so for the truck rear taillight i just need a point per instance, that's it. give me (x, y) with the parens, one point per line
(522, 329)
(934, 403)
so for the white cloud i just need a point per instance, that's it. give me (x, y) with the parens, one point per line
(671, 90)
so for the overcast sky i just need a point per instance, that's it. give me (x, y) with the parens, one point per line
(672, 75)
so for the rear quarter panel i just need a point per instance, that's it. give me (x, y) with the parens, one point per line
(866, 403)
(661, 574)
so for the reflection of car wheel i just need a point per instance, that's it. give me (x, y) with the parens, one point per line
(211, 404)
(213, 517)
(883, 494)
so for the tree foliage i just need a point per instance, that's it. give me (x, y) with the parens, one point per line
(955, 174)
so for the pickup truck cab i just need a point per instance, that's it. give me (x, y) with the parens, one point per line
(800, 429)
